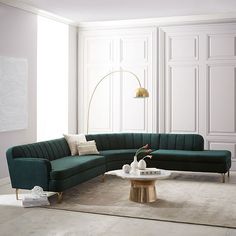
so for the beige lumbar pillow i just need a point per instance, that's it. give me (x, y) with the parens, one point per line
(73, 140)
(87, 148)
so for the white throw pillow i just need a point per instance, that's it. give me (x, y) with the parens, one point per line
(87, 148)
(73, 140)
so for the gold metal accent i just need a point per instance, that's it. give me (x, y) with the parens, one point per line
(103, 178)
(228, 174)
(59, 197)
(223, 178)
(140, 92)
(17, 194)
(143, 191)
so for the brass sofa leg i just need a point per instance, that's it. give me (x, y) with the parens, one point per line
(59, 197)
(17, 194)
(228, 174)
(103, 178)
(223, 177)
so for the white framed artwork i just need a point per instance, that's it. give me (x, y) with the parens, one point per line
(13, 93)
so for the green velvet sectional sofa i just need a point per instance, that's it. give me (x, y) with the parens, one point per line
(49, 164)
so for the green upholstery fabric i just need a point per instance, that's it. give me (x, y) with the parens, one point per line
(216, 161)
(50, 165)
(190, 166)
(119, 154)
(156, 141)
(115, 159)
(25, 173)
(80, 177)
(114, 165)
(181, 142)
(191, 156)
(50, 150)
(68, 166)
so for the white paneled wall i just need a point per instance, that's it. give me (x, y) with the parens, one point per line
(182, 96)
(181, 82)
(113, 108)
(198, 75)
(221, 99)
(195, 91)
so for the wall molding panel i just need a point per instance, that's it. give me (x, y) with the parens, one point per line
(221, 95)
(114, 109)
(177, 42)
(204, 103)
(221, 46)
(182, 99)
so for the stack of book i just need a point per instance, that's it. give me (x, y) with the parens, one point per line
(149, 171)
(34, 200)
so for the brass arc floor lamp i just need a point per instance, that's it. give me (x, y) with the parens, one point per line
(140, 92)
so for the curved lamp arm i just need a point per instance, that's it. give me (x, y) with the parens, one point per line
(140, 93)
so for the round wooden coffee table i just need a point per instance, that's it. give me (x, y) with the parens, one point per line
(142, 187)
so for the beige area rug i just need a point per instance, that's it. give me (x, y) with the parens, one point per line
(193, 198)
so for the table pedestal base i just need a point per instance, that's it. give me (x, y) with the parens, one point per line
(143, 191)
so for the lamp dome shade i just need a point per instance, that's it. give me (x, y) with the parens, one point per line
(141, 93)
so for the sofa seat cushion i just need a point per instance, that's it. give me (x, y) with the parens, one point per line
(71, 165)
(210, 156)
(119, 154)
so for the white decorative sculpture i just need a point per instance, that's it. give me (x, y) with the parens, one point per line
(126, 168)
(134, 165)
(142, 165)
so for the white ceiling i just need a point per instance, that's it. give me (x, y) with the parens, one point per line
(102, 10)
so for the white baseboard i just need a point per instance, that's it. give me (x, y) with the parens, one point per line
(5, 180)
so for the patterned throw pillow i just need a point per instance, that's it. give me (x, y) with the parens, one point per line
(87, 148)
(73, 140)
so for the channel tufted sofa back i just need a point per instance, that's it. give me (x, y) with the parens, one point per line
(49, 150)
(111, 141)
(59, 148)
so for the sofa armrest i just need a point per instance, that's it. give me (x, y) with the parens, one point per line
(25, 173)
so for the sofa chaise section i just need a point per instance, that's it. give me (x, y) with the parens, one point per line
(197, 161)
